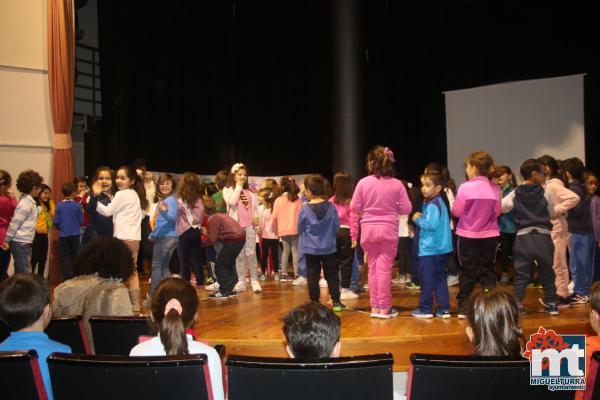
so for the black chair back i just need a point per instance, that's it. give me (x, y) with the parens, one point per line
(77, 377)
(117, 335)
(65, 330)
(21, 375)
(360, 377)
(474, 377)
(69, 331)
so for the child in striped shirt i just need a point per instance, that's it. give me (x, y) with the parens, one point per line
(21, 231)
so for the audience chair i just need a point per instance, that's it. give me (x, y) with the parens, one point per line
(21, 375)
(344, 378)
(432, 376)
(69, 331)
(117, 335)
(65, 330)
(76, 377)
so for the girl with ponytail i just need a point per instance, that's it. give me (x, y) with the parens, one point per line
(174, 310)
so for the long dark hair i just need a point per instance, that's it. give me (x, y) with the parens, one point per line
(552, 164)
(112, 177)
(343, 188)
(39, 201)
(171, 325)
(190, 189)
(138, 184)
(494, 318)
(289, 186)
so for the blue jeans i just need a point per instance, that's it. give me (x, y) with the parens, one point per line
(302, 268)
(432, 273)
(580, 262)
(21, 253)
(161, 258)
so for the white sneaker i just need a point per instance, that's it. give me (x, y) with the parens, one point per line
(256, 287)
(300, 280)
(240, 286)
(212, 287)
(322, 283)
(452, 280)
(347, 294)
(571, 287)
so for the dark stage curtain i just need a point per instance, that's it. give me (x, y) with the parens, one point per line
(201, 85)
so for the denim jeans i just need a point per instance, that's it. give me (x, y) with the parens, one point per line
(580, 262)
(355, 280)
(161, 258)
(21, 253)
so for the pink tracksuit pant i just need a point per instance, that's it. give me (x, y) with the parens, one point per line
(560, 266)
(380, 242)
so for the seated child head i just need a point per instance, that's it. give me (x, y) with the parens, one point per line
(109, 257)
(174, 308)
(25, 302)
(312, 331)
(494, 327)
(209, 205)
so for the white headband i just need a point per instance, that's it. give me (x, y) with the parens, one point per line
(237, 166)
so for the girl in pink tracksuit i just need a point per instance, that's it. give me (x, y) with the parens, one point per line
(564, 200)
(477, 206)
(379, 199)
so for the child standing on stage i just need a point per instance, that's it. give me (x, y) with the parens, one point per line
(563, 200)
(126, 209)
(379, 199)
(21, 230)
(8, 203)
(533, 210)
(242, 207)
(343, 187)
(506, 222)
(435, 242)
(477, 207)
(190, 213)
(82, 196)
(164, 232)
(581, 240)
(224, 233)
(99, 225)
(591, 183)
(285, 215)
(39, 250)
(268, 233)
(68, 219)
(318, 223)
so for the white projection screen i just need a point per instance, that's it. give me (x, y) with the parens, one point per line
(516, 121)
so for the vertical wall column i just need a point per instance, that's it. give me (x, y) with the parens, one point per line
(347, 91)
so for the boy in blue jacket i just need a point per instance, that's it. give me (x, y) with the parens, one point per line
(318, 223)
(435, 243)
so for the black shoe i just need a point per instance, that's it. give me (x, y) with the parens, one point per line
(564, 302)
(551, 309)
(218, 296)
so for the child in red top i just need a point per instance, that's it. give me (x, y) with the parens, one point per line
(224, 232)
(8, 203)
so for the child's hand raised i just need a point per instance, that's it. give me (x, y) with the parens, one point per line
(97, 188)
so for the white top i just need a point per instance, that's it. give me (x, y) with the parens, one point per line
(127, 214)
(154, 347)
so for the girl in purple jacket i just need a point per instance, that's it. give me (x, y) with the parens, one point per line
(477, 206)
(379, 199)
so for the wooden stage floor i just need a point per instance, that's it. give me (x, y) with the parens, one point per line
(250, 324)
